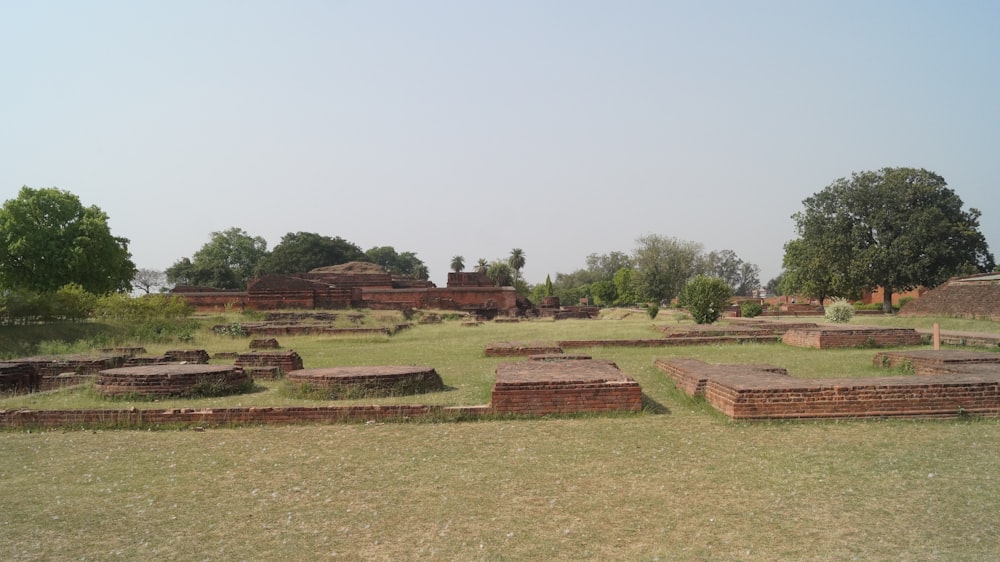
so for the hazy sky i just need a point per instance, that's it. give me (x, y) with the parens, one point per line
(442, 128)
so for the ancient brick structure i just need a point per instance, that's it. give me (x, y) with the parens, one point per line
(829, 337)
(155, 381)
(368, 382)
(19, 378)
(752, 392)
(975, 296)
(520, 348)
(552, 387)
(284, 361)
(936, 362)
(359, 287)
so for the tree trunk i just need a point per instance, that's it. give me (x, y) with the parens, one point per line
(886, 300)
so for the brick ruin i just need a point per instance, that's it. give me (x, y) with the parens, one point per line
(559, 387)
(945, 384)
(974, 296)
(349, 286)
(368, 382)
(170, 379)
(831, 337)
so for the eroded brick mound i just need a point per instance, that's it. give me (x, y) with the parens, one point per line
(19, 378)
(264, 343)
(269, 364)
(560, 357)
(770, 326)
(521, 348)
(156, 381)
(187, 355)
(831, 337)
(354, 267)
(975, 296)
(549, 387)
(753, 392)
(936, 362)
(368, 382)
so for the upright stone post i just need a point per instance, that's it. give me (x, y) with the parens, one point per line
(937, 336)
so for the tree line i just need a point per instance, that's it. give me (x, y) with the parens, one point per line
(895, 228)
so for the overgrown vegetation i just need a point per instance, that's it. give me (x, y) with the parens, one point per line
(839, 311)
(705, 298)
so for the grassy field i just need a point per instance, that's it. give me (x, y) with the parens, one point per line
(675, 482)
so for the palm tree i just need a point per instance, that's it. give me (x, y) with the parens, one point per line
(482, 266)
(516, 261)
(457, 264)
(500, 273)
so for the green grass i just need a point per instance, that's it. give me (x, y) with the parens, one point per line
(684, 483)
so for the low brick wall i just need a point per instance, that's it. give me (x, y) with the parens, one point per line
(831, 337)
(672, 341)
(156, 381)
(936, 362)
(368, 382)
(554, 387)
(521, 348)
(754, 392)
(285, 361)
(251, 415)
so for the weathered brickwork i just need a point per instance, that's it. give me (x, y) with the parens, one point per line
(284, 361)
(521, 348)
(538, 388)
(835, 337)
(135, 417)
(752, 392)
(976, 296)
(157, 381)
(369, 382)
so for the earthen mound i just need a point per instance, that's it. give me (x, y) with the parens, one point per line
(355, 267)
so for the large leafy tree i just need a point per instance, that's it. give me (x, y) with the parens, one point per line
(895, 228)
(741, 276)
(298, 252)
(663, 265)
(228, 260)
(48, 239)
(457, 263)
(404, 264)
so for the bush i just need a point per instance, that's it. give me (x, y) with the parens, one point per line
(840, 311)
(705, 297)
(749, 309)
(652, 310)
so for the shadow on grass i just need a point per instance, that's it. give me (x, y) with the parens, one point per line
(652, 406)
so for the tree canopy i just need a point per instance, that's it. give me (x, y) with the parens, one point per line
(228, 261)
(895, 228)
(663, 265)
(300, 252)
(405, 264)
(48, 239)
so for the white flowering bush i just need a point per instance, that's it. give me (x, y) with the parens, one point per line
(840, 311)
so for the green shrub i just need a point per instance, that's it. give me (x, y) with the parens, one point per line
(705, 298)
(749, 309)
(652, 310)
(904, 300)
(839, 311)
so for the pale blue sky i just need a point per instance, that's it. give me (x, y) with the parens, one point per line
(442, 128)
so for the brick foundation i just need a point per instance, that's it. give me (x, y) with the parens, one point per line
(835, 337)
(368, 382)
(156, 381)
(754, 392)
(540, 387)
(284, 361)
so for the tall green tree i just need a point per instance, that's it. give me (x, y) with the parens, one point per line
(482, 265)
(664, 264)
(457, 264)
(501, 273)
(901, 227)
(48, 239)
(300, 252)
(743, 277)
(404, 264)
(228, 260)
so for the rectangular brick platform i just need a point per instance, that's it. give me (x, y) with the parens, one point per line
(829, 337)
(754, 392)
(550, 387)
(285, 361)
(936, 362)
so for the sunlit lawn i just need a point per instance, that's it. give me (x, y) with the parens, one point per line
(677, 482)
